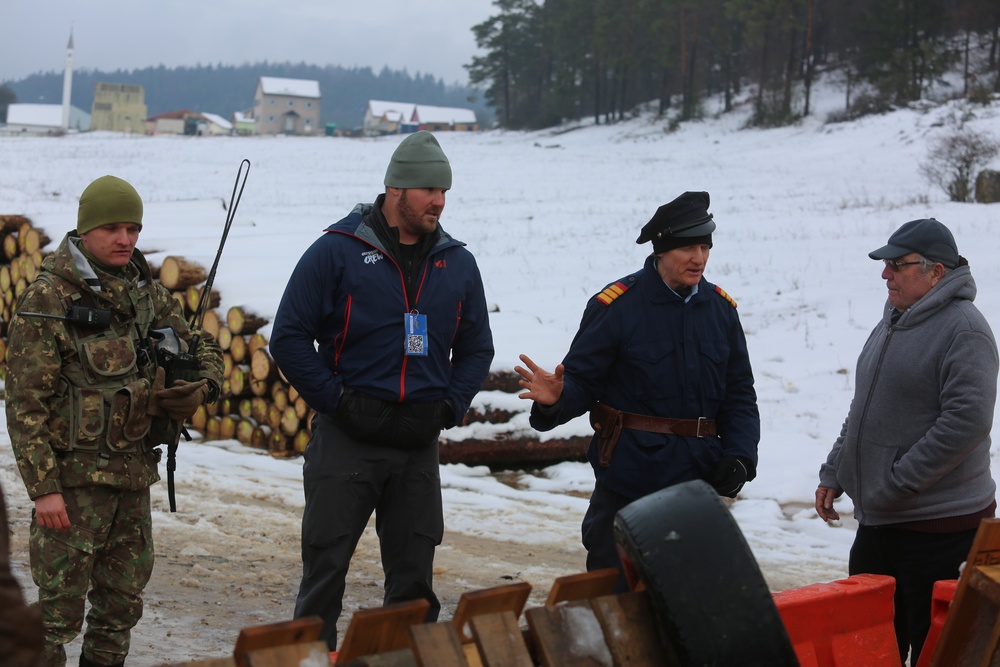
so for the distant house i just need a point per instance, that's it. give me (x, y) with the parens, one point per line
(286, 106)
(386, 117)
(44, 119)
(171, 122)
(215, 125)
(191, 123)
(404, 117)
(243, 122)
(444, 119)
(119, 107)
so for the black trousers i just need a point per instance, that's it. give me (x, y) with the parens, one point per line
(345, 481)
(599, 534)
(916, 560)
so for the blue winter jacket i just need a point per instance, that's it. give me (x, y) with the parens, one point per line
(648, 352)
(348, 295)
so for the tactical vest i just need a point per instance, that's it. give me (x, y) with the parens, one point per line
(104, 388)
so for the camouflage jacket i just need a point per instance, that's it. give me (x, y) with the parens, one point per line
(77, 395)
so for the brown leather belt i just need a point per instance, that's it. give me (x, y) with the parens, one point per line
(688, 428)
(609, 422)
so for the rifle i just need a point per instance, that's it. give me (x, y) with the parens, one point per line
(181, 365)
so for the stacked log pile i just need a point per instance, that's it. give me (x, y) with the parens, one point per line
(257, 405)
(20, 259)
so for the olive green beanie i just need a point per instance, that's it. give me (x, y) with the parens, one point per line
(419, 162)
(107, 201)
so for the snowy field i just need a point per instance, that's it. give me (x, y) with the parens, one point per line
(552, 217)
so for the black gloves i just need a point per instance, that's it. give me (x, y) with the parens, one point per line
(446, 413)
(731, 474)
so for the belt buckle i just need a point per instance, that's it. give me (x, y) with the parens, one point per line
(697, 432)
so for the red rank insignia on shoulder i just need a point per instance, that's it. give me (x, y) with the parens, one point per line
(611, 292)
(725, 295)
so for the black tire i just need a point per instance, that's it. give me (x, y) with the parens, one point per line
(712, 604)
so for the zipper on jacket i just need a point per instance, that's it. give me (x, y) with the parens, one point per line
(416, 300)
(864, 415)
(458, 323)
(343, 334)
(406, 301)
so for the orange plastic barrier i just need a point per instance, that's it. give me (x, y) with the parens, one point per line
(846, 623)
(944, 593)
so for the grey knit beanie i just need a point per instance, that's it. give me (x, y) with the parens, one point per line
(419, 162)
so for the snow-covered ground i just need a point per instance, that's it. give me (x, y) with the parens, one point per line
(552, 217)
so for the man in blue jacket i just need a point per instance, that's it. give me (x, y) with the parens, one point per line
(383, 329)
(661, 362)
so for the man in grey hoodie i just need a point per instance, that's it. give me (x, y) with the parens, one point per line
(914, 451)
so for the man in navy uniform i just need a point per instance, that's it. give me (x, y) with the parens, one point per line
(661, 362)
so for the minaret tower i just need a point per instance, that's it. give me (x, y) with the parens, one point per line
(67, 82)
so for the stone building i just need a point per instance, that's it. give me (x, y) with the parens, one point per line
(119, 107)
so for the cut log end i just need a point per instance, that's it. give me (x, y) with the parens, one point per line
(177, 273)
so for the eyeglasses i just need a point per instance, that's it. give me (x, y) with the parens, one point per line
(895, 265)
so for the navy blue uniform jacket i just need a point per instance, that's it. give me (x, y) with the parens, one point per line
(647, 351)
(348, 295)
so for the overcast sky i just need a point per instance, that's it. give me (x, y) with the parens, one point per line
(429, 37)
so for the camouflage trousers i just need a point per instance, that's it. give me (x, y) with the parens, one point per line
(106, 556)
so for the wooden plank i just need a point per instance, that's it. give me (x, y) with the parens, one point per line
(971, 632)
(500, 640)
(986, 580)
(472, 655)
(381, 629)
(437, 645)
(297, 631)
(583, 586)
(310, 654)
(510, 597)
(630, 631)
(568, 634)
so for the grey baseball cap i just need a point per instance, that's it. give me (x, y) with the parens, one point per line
(926, 237)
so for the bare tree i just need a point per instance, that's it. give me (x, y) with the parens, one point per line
(953, 160)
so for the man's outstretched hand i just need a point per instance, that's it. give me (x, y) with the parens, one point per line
(541, 386)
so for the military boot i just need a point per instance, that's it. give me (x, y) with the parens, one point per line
(86, 662)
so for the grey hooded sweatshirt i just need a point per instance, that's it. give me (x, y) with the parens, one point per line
(916, 442)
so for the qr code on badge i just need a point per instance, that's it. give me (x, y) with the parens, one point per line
(415, 345)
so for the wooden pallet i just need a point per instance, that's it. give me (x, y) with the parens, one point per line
(618, 626)
(971, 632)
(274, 645)
(484, 632)
(381, 630)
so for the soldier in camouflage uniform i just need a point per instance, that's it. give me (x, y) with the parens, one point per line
(83, 396)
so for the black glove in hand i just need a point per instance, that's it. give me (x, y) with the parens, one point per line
(446, 413)
(182, 399)
(729, 476)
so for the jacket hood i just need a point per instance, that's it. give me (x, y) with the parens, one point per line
(956, 285)
(355, 224)
(69, 263)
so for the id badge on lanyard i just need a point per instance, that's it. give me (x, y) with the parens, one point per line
(416, 334)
